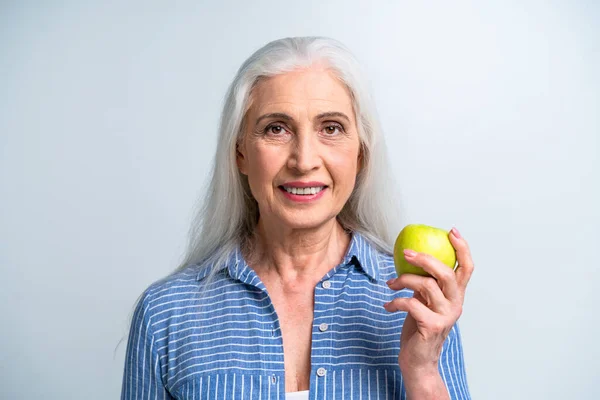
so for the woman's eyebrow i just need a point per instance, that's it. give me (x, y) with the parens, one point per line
(274, 115)
(332, 114)
(286, 117)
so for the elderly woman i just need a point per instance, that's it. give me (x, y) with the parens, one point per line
(288, 289)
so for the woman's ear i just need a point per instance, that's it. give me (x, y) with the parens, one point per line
(240, 158)
(360, 160)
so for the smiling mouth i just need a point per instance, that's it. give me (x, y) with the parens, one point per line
(307, 191)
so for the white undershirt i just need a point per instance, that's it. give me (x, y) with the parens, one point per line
(303, 395)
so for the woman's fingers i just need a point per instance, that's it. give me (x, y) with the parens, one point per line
(463, 255)
(414, 307)
(427, 287)
(444, 275)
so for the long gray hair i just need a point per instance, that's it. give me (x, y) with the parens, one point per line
(227, 215)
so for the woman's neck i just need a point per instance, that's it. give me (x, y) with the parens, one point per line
(298, 254)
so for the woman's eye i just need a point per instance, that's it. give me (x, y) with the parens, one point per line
(274, 129)
(333, 129)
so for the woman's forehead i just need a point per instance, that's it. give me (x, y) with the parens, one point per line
(313, 90)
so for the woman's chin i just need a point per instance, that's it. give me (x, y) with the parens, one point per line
(302, 222)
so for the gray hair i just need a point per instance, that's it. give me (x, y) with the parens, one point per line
(227, 215)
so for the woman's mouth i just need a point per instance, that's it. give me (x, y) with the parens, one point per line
(306, 194)
(303, 191)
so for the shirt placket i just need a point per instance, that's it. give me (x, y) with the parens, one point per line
(276, 389)
(323, 331)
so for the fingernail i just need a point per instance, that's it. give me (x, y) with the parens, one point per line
(385, 304)
(391, 281)
(456, 233)
(410, 253)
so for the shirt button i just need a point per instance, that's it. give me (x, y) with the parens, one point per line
(274, 379)
(326, 284)
(321, 371)
(323, 327)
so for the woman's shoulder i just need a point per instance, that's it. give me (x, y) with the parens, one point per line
(184, 292)
(165, 296)
(177, 282)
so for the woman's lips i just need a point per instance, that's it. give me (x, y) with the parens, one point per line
(300, 184)
(303, 198)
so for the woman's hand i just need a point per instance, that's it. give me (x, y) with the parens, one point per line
(432, 312)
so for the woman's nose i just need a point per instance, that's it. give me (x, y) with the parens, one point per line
(305, 155)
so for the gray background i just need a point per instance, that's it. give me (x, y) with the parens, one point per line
(108, 117)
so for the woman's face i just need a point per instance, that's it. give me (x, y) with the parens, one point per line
(300, 149)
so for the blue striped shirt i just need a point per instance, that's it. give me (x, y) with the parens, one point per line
(225, 342)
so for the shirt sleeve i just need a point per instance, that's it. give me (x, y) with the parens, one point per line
(452, 366)
(142, 377)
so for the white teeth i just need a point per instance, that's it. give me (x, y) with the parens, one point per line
(304, 191)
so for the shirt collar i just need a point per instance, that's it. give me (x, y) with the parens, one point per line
(360, 254)
(363, 256)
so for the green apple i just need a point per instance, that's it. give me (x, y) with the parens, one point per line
(423, 239)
